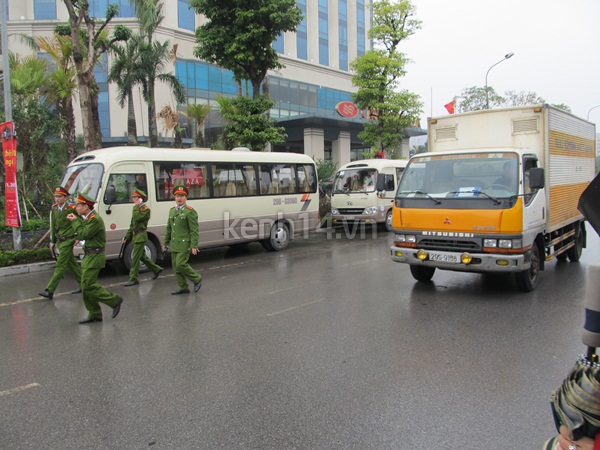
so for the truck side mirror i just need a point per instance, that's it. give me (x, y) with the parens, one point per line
(536, 178)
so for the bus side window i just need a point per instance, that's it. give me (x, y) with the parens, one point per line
(125, 184)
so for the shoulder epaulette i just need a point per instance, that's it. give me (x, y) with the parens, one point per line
(70, 205)
(143, 207)
(92, 216)
(54, 205)
(188, 207)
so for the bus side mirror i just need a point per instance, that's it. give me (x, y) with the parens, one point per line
(110, 197)
(380, 183)
(536, 178)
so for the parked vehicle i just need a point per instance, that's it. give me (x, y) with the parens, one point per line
(240, 196)
(497, 192)
(363, 191)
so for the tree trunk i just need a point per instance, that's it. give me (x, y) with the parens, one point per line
(70, 134)
(152, 125)
(255, 88)
(131, 123)
(96, 117)
(87, 119)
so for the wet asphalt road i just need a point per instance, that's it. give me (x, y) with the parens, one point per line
(326, 345)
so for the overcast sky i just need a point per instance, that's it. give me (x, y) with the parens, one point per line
(556, 46)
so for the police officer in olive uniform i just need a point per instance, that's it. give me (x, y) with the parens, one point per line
(89, 227)
(182, 237)
(62, 240)
(138, 235)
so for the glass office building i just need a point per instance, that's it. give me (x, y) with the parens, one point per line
(314, 80)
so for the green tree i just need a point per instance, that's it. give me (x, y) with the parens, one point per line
(90, 40)
(198, 113)
(564, 107)
(249, 123)
(34, 119)
(378, 73)
(473, 99)
(124, 72)
(154, 57)
(239, 34)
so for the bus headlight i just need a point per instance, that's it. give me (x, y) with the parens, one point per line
(370, 210)
(334, 211)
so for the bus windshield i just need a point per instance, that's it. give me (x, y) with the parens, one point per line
(355, 180)
(461, 176)
(84, 178)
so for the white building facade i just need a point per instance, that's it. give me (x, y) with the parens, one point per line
(315, 79)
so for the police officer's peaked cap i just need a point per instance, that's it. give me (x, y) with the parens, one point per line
(61, 191)
(82, 198)
(181, 190)
(139, 193)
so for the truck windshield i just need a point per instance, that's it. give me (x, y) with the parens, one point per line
(355, 180)
(83, 178)
(476, 175)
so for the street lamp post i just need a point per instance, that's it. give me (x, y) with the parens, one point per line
(590, 110)
(487, 97)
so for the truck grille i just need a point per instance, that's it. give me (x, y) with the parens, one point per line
(351, 211)
(449, 245)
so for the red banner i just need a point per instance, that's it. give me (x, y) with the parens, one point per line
(9, 149)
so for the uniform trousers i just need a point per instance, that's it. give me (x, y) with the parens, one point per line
(183, 270)
(139, 254)
(94, 293)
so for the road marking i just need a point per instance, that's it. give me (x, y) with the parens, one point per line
(18, 389)
(295, 307)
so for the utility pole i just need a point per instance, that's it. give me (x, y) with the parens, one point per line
(16, 231)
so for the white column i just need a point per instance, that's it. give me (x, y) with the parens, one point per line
(340, 148)
(314, 143)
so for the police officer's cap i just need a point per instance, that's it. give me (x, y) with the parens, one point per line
(139, 193)
(180, 190)
(61, 191)
(82, 198)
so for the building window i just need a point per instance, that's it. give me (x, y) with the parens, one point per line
(360, 27)
(301, 34)
(278, 44)
(343, 31)
(98, 8)
(323, 33)
(185, 15)
(44, 9)
(103, 100)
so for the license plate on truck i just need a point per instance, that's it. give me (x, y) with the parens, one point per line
(444, 257)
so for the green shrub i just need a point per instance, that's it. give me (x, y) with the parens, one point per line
(12, 258)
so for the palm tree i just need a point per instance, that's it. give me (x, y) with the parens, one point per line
(125, 74)
(199, 113)
(62, 83)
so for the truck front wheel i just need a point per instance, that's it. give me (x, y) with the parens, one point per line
(528, 279)
(422, 273)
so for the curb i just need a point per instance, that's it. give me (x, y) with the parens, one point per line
(27, 268)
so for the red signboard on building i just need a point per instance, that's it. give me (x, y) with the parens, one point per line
(347, 109)
(9, 150)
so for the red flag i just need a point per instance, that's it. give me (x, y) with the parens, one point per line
(450, 107)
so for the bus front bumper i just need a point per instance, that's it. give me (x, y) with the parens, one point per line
(462, 261)
(340, 219)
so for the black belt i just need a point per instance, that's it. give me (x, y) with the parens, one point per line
(93, 251)
(63, 239)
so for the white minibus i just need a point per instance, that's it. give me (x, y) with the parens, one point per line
(241, 196)
(363, 191)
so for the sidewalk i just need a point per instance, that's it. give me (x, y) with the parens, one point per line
(27, 268)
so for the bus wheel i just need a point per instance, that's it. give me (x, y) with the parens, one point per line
(150, 250)
(279, 238)
(574, 253)
(422, 273)
(528, 279)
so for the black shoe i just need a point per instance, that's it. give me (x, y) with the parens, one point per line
(89, 320)
(180, 291)
(155, 276)
(131, 283)
(47, 294)
(198, 285)
(117, 308)
(76, 291)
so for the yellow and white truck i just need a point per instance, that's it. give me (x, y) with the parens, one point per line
(497, 191)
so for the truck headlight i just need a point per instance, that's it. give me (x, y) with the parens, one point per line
(410, 238)
(505, 243)
(490, 243)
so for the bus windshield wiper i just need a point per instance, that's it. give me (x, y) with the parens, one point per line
(437, 202)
